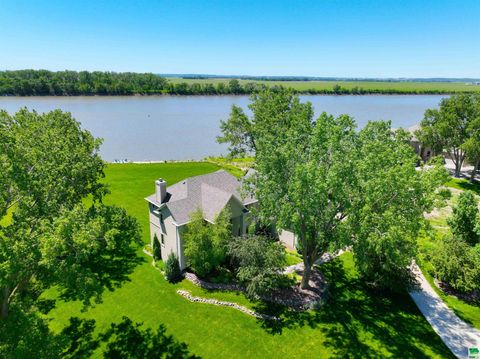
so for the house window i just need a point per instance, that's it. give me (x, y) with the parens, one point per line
(162, 239)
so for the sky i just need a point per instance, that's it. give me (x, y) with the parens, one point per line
(292, 38)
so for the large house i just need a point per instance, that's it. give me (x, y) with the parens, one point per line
(170, 208)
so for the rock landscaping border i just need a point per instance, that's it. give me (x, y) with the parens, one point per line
(192, 277)
(186, 294)
(293, 297)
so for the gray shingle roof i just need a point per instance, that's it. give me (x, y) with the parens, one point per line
(210, 192)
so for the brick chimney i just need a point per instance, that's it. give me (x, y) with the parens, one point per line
(160, 190)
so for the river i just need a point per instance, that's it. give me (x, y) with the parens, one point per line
(150, 128)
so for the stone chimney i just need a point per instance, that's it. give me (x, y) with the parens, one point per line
(160, 190)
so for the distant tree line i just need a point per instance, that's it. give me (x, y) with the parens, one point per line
(73, 83)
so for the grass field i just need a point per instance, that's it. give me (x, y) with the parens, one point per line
(354, 323)
(413, 87)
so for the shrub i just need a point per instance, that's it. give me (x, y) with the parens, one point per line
(172, 269)
(259, 264)
(205, 244)
(458, 264)
(464, 220)
(157, 250)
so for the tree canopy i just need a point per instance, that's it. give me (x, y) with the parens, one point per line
(331, 185)
(50, 169)
(465, 221)
(451, 126)
(259, 262)
(390, 200)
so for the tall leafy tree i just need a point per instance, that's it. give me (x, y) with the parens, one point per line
(449, 127)
(333, 186)
(472, 147)
(49, 167)
(304, 181)
(388, 210)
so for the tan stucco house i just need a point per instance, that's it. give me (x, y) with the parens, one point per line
(170, 208)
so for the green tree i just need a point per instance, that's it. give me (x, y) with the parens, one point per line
(458, 264)
(235, 87)
(472, 147)
(172, 268)
(465, 219)
(388, 210)
(205, 244)
(260, 262)
(49, 166)
(304, 179)
(448, 128)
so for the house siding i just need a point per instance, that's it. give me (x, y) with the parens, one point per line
(288, 239)
(168, 229)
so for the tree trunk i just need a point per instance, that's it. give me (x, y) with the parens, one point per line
(306, 274)
(5, 303)
(474, 171)
(458, 168)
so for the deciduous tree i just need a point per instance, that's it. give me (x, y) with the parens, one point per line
(448, 128)
(260, 263)
(388, 211)
(49, 166)
(304, 180)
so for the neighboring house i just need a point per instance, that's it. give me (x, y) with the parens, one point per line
(170, 208)
(423, 152)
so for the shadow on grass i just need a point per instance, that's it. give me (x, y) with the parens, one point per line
(464, 184)
(110, 272)
(26, 335)
(359, 323)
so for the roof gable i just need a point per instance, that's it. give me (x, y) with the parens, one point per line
(210, 193)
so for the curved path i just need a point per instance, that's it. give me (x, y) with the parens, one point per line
(454, 332)
(323, 259)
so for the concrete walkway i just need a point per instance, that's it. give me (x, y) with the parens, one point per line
(325, 258)
(454, 332)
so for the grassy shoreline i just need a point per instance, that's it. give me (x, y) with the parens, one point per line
(349, 87)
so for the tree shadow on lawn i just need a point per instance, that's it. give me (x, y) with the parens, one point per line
(465, 185)
(358, 322)
(109, 272)
(26, 335)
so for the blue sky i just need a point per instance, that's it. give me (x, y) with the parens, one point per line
(316, 38)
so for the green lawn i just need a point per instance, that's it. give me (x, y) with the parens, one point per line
(366, 85)
(463, 184)
(354, 323)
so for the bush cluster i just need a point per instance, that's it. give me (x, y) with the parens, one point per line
(457, 260)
